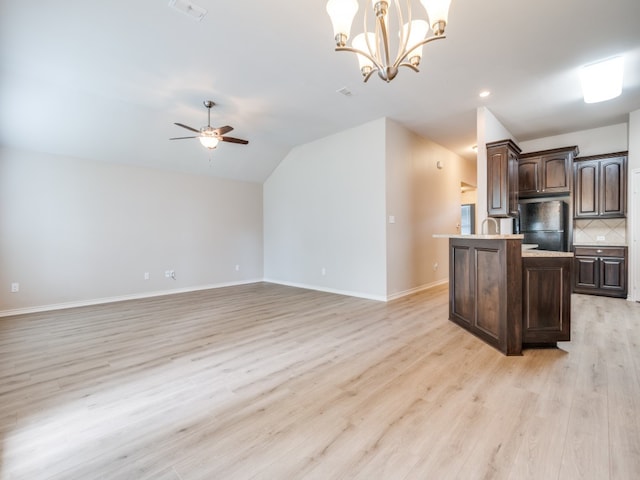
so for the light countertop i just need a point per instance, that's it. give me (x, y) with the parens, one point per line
(528, 250)
(599, 244)
(545, 253)
(510, 236)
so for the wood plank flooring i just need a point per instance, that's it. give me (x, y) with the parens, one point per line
(271, 382)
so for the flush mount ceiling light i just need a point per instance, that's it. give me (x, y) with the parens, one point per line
(188, 8)
(372, 47)
(602, 80)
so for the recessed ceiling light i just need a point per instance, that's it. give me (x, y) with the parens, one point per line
(602, 80)
(484, 94)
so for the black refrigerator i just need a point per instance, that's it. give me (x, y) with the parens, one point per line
(544, 223)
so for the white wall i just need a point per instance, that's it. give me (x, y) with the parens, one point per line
(75, 231)
(424, 200)
(489, 129)
(633, 223)
(324, 208)
(328, 205)
(595, 141)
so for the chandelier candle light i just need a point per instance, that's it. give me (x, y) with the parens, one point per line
(372, 47)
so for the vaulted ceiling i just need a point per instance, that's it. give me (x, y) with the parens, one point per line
(106, 80)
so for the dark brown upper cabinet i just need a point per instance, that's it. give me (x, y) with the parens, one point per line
(546, 173)
(600, 186)
(502, 178)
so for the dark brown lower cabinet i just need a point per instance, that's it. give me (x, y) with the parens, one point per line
(485, 290)
(601, 271)
(510, 300)
(546, 300)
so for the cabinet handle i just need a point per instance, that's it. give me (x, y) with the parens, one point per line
(598, 251)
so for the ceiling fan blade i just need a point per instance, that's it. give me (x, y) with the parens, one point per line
(234, 140)
(180, 138)
(223, 130)
(187, 127)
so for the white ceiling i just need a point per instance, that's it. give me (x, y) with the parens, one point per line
(105, 80)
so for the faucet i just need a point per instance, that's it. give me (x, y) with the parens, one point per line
(484, 222)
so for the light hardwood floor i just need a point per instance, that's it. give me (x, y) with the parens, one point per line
(270, 382)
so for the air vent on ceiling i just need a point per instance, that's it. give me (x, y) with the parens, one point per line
(344, 91)
(188, 8)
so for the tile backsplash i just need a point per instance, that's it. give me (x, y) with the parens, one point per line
(611, 231)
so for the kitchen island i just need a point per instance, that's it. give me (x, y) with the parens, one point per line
(508, 297)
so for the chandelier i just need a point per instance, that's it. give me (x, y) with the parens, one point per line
(373, 48)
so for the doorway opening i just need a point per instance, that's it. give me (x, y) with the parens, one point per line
(468, 201)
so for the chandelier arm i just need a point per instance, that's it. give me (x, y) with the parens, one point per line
(375, 59)
(419, 44)
(385, 39)
(410, 65)
(363, 53)
(368, 75)
(404, 39)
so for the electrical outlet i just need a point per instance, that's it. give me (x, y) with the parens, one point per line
(170, 274)
(323, 271)
(237, 268)
(146, 275)
(435, 266)
(15, 287)
(600, 238)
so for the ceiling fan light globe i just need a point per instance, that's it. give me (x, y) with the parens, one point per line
(208, 141)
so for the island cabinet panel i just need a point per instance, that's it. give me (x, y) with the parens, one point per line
(488, 292)
(463, 298)
(485, 290)
(546, 300)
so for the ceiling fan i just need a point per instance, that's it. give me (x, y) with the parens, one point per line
(209, 136)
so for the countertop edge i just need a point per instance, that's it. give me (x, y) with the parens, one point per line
(506, 236)
(545, 253)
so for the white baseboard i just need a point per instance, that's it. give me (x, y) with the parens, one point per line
(421, 288)
(137, 296)
(380, 298)
(121, 298)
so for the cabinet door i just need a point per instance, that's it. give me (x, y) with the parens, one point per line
(513, 184)
(612, 274)
(502, 179)
(528, 176)
(555, 173)
(546, 300)
(497, 182)
(586, 189)
(612, 188)
(586, 273)
(462, 298)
